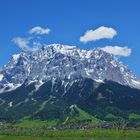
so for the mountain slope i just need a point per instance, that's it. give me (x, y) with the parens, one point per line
(47, 103)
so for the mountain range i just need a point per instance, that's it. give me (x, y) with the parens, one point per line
(66, 83)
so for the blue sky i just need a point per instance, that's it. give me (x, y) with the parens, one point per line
(68, 21)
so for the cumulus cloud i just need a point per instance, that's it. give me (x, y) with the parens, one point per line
(31, 43)
(118, 51)
(39, 30)
(97, 34)
(21, 42)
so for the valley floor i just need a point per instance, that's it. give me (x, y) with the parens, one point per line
(65, 138)
(96, 134)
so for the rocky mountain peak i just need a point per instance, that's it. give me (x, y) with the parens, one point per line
(67, 63)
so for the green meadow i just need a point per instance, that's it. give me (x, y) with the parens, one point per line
(70, 135)
(71, 138)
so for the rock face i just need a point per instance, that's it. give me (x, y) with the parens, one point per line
(67, 63)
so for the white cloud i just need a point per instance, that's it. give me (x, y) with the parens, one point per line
(21, 42)
(39, 30)
(117, 50)
(31, 43)
(97, 34)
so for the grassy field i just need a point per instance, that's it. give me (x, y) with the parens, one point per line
(69, 135)
(36, 123)
(71, 138)
(23, 131)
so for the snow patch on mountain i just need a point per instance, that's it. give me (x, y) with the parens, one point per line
(16, 56)
(136, 83)
(1, 77)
